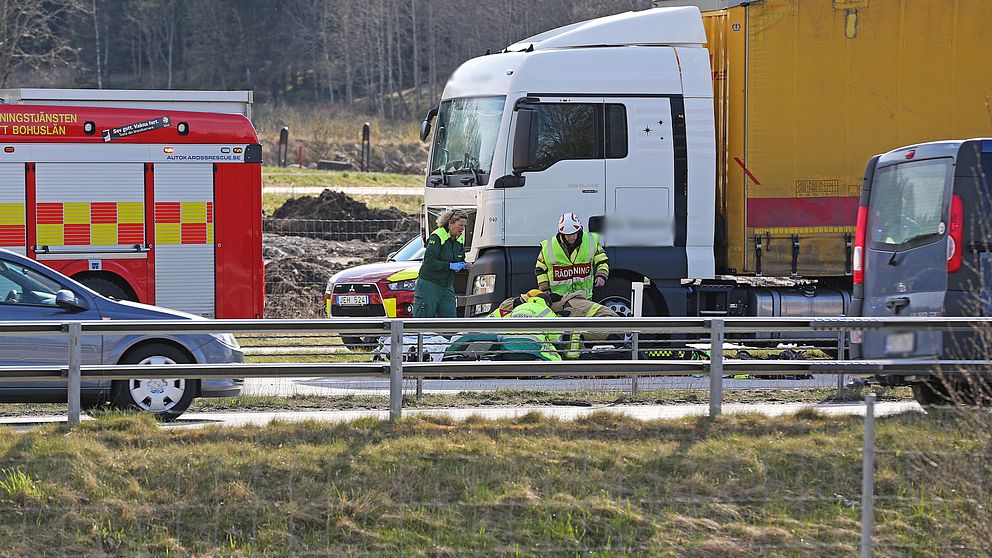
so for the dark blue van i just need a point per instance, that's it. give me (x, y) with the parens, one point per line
(923, 247)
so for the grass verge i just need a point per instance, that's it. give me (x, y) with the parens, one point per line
(738, 485)
(292, 176)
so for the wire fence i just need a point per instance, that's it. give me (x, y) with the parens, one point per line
(302, 254)
(380, 230)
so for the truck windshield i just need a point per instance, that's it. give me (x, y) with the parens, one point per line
(465, 139)
(907, 202)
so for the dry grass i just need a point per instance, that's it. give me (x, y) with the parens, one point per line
(604, 485)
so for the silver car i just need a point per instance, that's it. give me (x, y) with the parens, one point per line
(30, 291)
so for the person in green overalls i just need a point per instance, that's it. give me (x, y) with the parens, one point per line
(434, 296)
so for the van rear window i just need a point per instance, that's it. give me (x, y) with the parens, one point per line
(907, 202)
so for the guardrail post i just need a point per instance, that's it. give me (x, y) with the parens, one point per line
(868, 479)
(637, 306)
(420, 358)
(716, 366)
(75, 330)
(635, 345)
(840, 356)
(395, 369)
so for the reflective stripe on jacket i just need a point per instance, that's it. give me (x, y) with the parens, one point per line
(564, 273)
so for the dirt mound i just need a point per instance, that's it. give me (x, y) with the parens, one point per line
(297, 270)
(334, 205)
(336, 216)
(315, 237)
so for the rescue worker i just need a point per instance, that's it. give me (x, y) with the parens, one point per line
(576, 305)
(434, 295)
(572, 260)
(509, 304)
(539, 344)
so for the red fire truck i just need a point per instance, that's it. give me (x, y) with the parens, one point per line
(157, 205)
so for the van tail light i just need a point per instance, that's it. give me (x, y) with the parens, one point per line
(955, 235)
(860, 233)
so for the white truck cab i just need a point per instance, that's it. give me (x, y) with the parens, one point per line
(610, 118)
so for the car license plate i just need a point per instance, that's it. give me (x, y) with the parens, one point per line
(899, 343)
(353, 300)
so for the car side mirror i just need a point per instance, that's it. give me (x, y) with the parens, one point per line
(524, 146)
(392, 254)
(425, 126)
(510, 181)
(68, 301)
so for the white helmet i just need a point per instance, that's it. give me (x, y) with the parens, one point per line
(569, 224)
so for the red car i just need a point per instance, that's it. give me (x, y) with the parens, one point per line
(376, 290)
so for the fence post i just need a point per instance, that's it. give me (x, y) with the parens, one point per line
(868, 478)
(283, 146)
(420, 358)
(716, 366)
(75, 330)
(840, 356)
(395, 369)
(366, 147)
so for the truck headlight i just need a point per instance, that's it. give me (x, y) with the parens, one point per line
(408, 285)
(484, 284)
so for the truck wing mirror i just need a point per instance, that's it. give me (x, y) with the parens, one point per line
(510, 181)
(425, 126)
(524, 146)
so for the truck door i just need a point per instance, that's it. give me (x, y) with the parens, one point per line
(640, 172)
(569, 175)
(906, 253)
(12, 215)
(184, 237)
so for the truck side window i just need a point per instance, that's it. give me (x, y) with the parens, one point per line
(579, 131)
(568, 131)
(616, 131)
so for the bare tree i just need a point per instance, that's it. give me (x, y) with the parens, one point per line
(31, 34)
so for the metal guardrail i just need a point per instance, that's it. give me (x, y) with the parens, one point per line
(713, 329)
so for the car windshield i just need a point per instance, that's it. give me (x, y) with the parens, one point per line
(907, 202)
(465, 139)
(412, 251)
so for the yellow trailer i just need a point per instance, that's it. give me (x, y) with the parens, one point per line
(806, 91)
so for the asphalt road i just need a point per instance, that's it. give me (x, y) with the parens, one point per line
(380, 386)
(642, 412)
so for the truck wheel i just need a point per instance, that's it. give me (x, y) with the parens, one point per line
(108, 288)
(355, 344)
(165, 398)
(932, 393)
(615, 295)
(943, 392)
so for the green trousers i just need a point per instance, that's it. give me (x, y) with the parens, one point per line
(431, 300)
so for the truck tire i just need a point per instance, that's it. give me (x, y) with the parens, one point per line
(615, 295)
(108, 288)
(952, 392)
(356, 344)
(930, 394)
(969, 392)
(167, 399)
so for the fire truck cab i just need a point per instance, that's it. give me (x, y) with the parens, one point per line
(159, 204)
